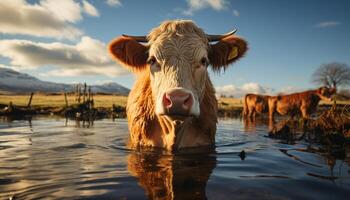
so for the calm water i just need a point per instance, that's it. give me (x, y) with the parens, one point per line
(48, 158)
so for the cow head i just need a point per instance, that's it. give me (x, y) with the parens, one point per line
(177, 55)
(326, 93)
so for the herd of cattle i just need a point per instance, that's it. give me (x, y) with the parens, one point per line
(173, 104)
(304, 103)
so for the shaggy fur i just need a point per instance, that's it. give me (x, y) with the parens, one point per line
(149, 129)
(302, 102)
(176, 50)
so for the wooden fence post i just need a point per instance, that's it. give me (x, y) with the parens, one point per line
(65, 99)
(79, 93)
(76, 92)
(84, 93)
(30, 100)
(89, 93)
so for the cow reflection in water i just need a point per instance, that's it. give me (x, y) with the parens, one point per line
(182, 176)
(280, 129)
(251, 124)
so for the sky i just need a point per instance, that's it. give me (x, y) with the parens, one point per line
(65, 41)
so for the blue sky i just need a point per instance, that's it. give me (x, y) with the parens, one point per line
(66, 42)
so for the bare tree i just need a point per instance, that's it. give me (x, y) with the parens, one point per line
(332, 75)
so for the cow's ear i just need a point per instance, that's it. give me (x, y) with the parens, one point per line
(129, 52)
(226, 51)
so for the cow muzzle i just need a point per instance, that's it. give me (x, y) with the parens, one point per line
(177, 102)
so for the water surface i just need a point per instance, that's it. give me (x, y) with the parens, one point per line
(51, 158)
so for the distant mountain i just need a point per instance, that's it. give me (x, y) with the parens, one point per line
(15, 82)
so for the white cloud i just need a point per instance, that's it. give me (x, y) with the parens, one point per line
(195, 5)
(6, 66)
(111, 71)
(88, 57)
(255, 88)
(65, 10)
(235, 13)
(90, 9)
(48, 18)
(115, 3)
(101, 82)
(17, 68)
(239, 91)
(327, 24)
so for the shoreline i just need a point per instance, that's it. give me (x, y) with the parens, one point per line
(107, 105)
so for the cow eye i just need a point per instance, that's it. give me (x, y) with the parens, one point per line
(204, 61)
(151, 60)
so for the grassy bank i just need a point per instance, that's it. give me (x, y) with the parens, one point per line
(42, 100)
(106, 101)
(101, 101)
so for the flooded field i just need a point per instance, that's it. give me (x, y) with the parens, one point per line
(51, 158)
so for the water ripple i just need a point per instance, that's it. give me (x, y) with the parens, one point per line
(50, 159)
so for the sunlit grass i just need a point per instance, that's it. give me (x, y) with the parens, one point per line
(40, 100)
(331, 102)
(229, 103)
(106, 101)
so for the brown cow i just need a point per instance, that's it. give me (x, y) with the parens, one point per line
(255, 103)
(173, 104)
(302, 102)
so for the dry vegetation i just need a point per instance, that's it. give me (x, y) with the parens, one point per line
(230, 103)
(333, 121)
(106, 101)
(42, 100)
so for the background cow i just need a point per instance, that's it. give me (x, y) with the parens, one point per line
(173, 102)
(302, 102)
(255, 103)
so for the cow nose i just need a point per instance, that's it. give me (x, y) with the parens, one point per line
(177, 102)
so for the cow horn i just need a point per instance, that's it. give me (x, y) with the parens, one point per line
(213, 38)
(137, 38)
